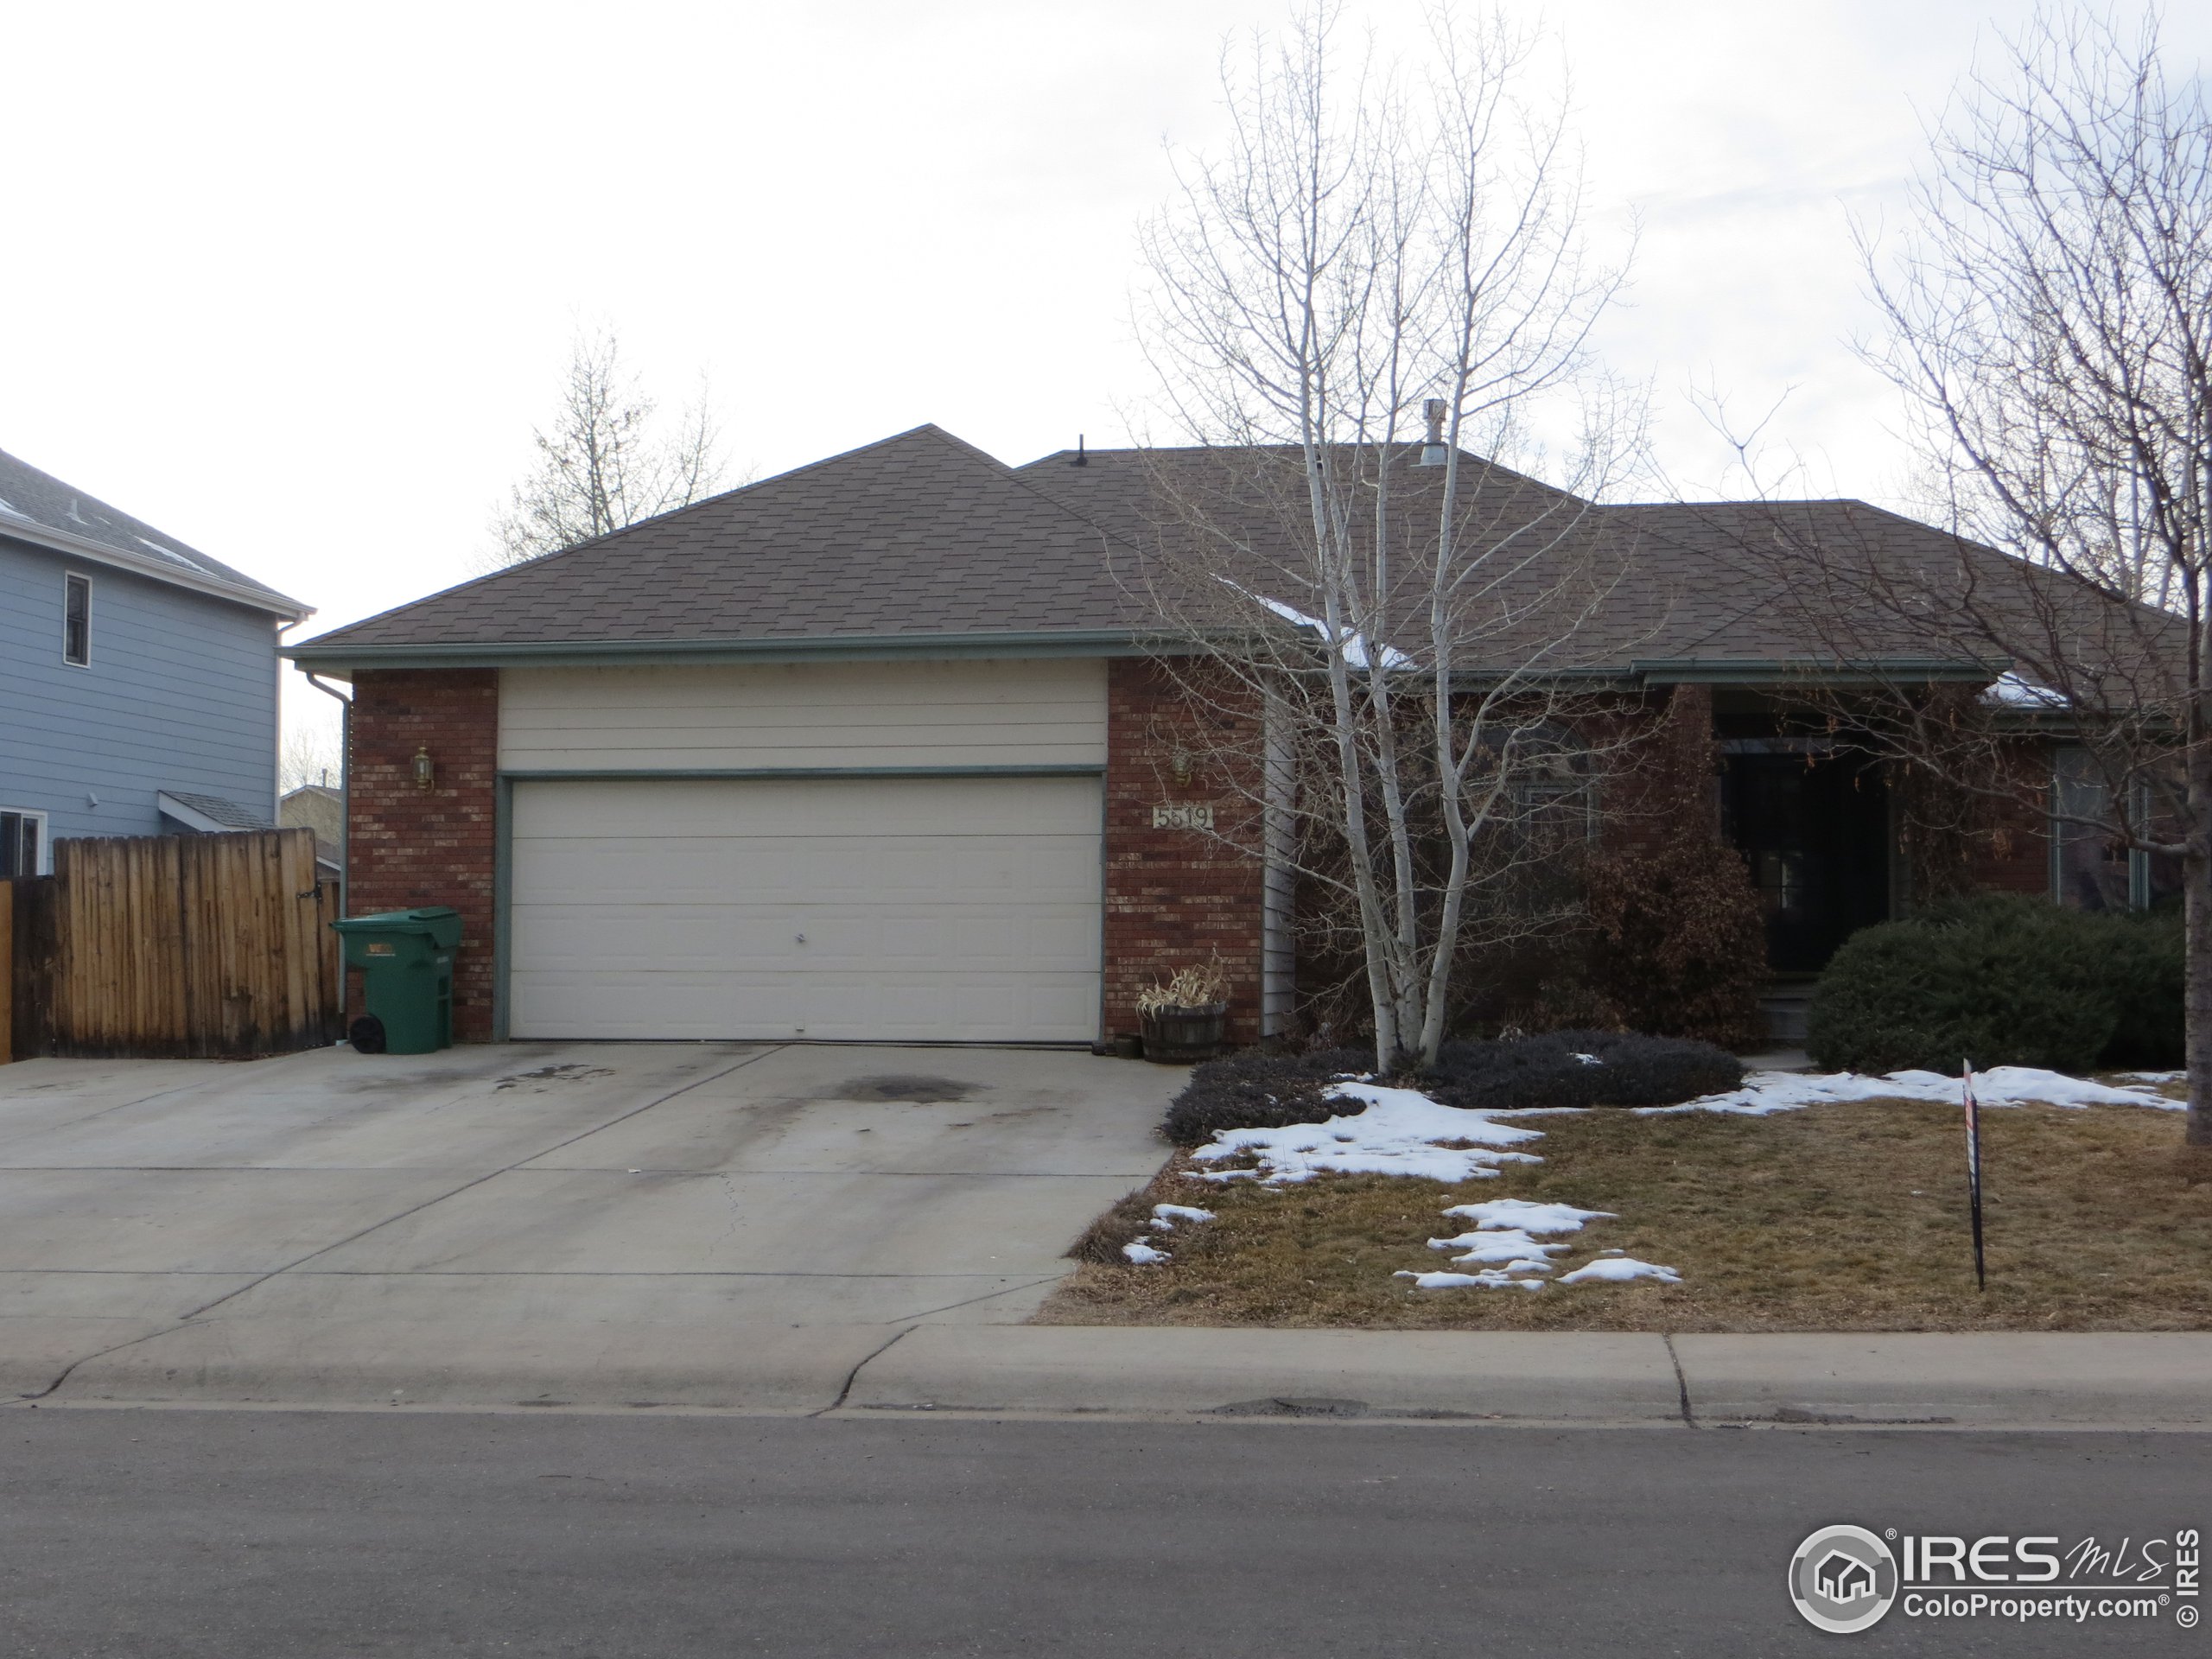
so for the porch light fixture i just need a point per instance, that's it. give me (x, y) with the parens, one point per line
(425, 771)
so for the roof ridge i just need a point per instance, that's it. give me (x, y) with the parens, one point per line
(1490, 462)
(1754, 501)
(1013, 475)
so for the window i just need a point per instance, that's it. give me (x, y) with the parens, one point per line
(2094, 870)
(1549, 799)
(22, 843)
(77, 620)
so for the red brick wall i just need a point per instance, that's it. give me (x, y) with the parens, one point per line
(1664, 782)
(410, 846)
(1176, 898)
(2014, 851)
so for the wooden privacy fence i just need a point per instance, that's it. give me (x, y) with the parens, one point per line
(198, 946)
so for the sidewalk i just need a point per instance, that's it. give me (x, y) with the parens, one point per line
(1995, 1381)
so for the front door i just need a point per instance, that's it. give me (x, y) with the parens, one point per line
(1816, 830)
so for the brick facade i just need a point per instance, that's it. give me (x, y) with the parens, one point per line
(412, 846)
(1178, 898)
(2012, 853)
(1668, 781)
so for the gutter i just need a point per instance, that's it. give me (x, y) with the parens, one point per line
(338, 658)
(345, 793)
(1868, 670)
(177, 575)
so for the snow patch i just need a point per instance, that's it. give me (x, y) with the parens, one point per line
(2003, 1085)
(1527, 1216)
(1509, 1247)
(2015, 690)
(1619, 1269)
(1353, 644)
(1468, 1280)
(168, 553)
(1399, 1133)
(1143, 1254)
(1167, 1215)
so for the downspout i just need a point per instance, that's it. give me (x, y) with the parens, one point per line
(344, 790)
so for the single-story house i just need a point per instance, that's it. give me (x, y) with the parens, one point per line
(874, 750)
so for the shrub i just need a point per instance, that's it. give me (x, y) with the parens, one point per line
(2001, 981)
(2148, 982)
(1539, 982)
(1681, 946)
(1260, 1090)
(1624, 1069)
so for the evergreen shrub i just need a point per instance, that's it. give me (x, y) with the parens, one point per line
(1257, 1089)
(1998, 979)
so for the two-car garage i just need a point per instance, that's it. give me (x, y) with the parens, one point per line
(723, 853)
(918, 908)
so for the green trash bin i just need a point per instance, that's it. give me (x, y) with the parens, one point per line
(406, 961)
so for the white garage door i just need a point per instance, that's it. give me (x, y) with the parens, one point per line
(912, 909)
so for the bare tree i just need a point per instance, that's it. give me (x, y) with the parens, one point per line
(2049, 315)
(308, 755)
(605, 462)
(1376, 295)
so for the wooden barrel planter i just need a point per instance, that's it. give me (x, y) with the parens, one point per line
(1183, 1036)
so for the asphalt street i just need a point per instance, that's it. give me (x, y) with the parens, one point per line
(248, 1533)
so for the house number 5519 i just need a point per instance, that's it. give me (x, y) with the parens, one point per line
(1182, 815)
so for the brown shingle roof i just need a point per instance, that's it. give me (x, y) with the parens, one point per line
(916, 535)
(1814, 581)
(921, 537)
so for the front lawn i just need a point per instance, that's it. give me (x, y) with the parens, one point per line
(1843, 1217)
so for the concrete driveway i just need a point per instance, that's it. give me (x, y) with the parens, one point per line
(535, 1222)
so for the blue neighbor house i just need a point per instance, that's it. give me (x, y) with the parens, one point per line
(137, 677)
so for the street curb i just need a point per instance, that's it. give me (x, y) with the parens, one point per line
(1626, 1377)
(2010, 1378)
(298, 1362)
(1941, 1380)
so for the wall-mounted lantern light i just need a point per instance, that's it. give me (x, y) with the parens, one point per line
(425, 773)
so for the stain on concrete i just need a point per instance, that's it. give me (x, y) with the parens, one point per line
(921, 1091)
(570, 1073)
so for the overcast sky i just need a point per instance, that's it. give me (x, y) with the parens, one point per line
(295, 283)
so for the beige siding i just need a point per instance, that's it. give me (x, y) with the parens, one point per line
(803, 714)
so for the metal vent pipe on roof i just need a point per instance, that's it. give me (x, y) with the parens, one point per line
(1432, 449)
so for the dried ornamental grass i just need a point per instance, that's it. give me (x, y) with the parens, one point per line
(1192, 987)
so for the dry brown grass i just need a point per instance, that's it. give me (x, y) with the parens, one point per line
(1842, 1217)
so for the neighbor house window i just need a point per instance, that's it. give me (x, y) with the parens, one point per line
(77, 620)
(22, 844)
